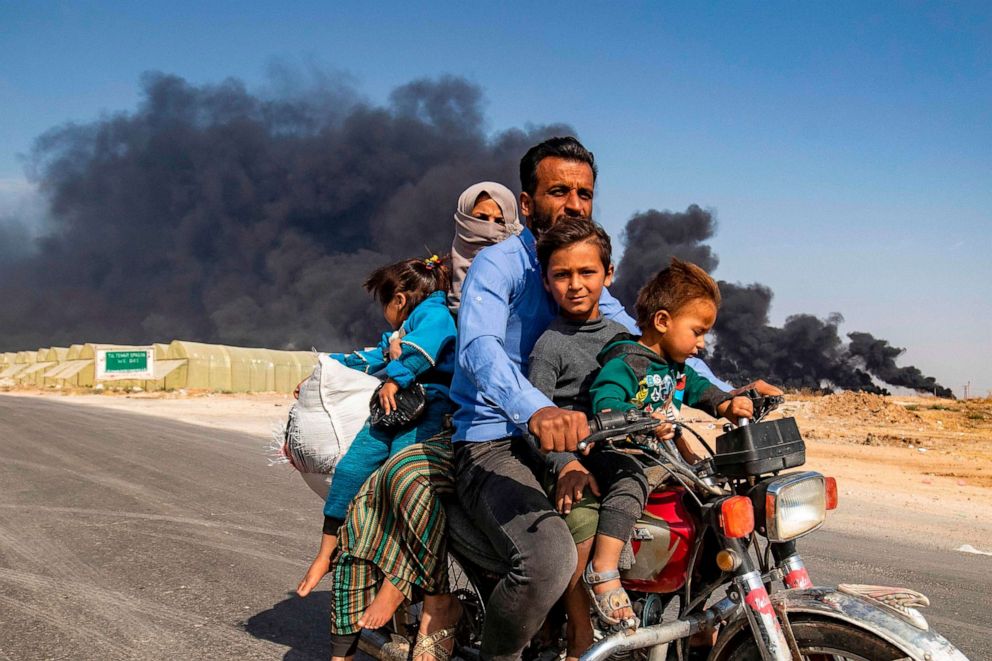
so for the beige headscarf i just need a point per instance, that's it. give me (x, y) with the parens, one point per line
(472, 234)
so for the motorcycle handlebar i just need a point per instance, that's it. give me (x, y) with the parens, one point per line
(609, 425)
(616, 426)
(640, 426)
(619, 424)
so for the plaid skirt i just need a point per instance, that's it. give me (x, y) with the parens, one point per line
(396, 531)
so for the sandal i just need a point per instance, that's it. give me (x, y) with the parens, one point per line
(431, 644)
(608, 602)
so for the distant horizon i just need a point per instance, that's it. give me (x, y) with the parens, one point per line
(895, 391)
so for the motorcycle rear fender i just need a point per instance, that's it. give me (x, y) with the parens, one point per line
(862, 612)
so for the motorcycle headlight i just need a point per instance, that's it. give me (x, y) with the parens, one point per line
(794, 505)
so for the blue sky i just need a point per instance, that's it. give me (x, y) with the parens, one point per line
(846, 147)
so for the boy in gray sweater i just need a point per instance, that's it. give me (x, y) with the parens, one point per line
(575, 257)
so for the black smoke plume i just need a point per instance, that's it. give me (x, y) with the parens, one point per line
(806, 352)
(653, 237)
(880, 359)
(214, 214)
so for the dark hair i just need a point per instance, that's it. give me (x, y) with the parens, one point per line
(672, 289)
(417, 278)
(568, 148)
(569, 231)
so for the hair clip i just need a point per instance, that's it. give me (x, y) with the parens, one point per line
(432, 261)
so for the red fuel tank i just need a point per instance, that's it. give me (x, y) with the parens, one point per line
(662, 541)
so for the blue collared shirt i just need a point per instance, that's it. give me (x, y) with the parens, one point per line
(703, 370)
(504, 309)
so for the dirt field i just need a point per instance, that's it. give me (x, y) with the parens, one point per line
(905, 465)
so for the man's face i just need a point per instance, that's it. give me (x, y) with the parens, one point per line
(564, 188)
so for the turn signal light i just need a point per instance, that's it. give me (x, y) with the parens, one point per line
(727, 560)
(831, 486)
(737, 516)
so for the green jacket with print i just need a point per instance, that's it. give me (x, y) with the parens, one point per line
(633, 376)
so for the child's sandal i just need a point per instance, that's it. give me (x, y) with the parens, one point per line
(608, 602)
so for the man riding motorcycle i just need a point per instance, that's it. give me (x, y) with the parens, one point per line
(504, 310)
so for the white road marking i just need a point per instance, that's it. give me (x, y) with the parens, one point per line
(968, 548)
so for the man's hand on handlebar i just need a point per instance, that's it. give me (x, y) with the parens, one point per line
(666, 430)
(736, 408)
(572, 481)
(558, 430)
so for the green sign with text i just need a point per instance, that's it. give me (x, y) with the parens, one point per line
(126, 361)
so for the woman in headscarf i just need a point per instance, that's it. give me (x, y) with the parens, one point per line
(394, 537)
(486, 214)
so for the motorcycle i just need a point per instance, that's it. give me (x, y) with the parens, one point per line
(714, 553)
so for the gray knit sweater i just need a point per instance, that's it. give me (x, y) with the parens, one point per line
(563, 366)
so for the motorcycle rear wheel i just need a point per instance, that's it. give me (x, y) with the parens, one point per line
(471, 589)
(823, 640)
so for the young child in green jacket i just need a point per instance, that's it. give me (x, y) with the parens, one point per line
(674, 311)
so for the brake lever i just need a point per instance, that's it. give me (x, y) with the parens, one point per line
(763, 404)
(768, 404)
(598, 437)
(617, 434)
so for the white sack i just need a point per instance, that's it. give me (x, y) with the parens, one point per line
(331, 410)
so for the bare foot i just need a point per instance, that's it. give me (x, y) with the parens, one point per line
(440, 612)
(320, 565)
(386, 601)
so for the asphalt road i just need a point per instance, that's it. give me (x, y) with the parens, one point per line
(131, 537)
(959, 585)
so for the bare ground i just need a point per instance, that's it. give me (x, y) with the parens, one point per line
(907, 467)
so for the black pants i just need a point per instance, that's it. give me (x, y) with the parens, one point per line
(344, 644)
(624, 487)
(497, 484)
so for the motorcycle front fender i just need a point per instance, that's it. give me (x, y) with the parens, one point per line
(862, 612)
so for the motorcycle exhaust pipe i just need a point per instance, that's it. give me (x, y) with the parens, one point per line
(659, 634)
(377, 645)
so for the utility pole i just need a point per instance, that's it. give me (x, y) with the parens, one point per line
(966, 387)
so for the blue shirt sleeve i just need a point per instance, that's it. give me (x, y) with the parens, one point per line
(611, 308)
(369, 361)
(482, 321)
(703, 370)
(431, 330)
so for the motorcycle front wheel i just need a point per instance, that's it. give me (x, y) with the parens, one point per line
(823, 640)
